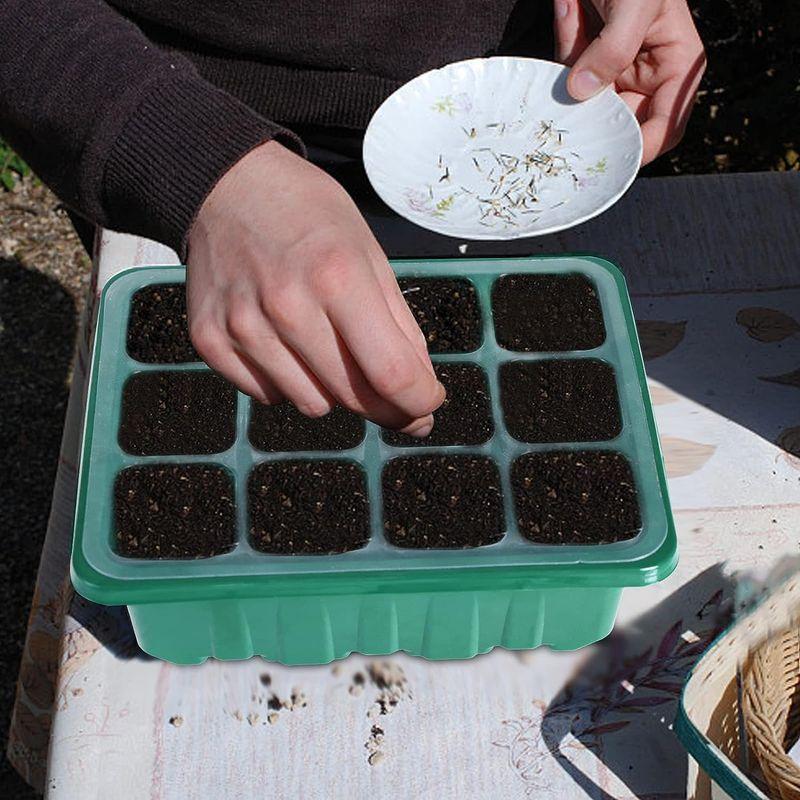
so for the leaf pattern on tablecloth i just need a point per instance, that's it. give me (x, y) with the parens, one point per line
(787, 379)
(658, 337)
(683, 457)
(594, 706)
(767, 324)
(661, 396)
(789, 441)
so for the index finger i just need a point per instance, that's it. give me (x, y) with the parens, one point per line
(388, 360)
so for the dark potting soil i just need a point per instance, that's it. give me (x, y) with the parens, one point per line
(174, 511)
(158, 328)
(282, 428)
(575, 498)
(442, 501)
(560, 400)
(177, 413)
(310, 507)
(465, 417)
(447, 311)
(547, 313)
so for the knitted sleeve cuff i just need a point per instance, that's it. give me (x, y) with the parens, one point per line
(178, 142)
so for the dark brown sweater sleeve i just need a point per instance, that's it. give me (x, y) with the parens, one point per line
(128, 135)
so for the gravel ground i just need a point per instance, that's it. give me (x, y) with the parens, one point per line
(747, 118)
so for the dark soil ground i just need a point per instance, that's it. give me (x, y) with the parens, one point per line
(747, 118)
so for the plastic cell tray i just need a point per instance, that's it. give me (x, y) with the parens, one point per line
(438, 603)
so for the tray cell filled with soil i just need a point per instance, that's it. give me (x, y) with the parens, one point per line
(177, 413)
(282, 428)
(447, 311)
(308, 507)
(442, 501)
(547, 313)
(174, 511)
(567, 497)
(158, 327)
(465, 417)
(563, 400)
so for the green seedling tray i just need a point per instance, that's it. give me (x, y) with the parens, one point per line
(307, 609)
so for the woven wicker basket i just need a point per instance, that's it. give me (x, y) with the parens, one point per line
(771, 710)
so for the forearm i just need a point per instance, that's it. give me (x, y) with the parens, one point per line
(125, 133)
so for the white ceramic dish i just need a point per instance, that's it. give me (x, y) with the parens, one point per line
(494, 148)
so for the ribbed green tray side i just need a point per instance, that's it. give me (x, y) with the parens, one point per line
(318, 629)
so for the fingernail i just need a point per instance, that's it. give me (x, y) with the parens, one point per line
(562, 8)
(422, 429)
(585, 84)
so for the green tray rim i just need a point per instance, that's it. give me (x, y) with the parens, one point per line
(107, 590)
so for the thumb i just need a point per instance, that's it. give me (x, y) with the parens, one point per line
(613, 51)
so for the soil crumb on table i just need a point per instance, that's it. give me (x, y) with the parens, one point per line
(442, 502)
(575, 497)
(392, 688)
(312, 507)
(176, 721)
(547, 313)
(177, 413)
(465, 417)
(158, 327)
(174, 511)
(447, 311)
(282, 428)
(560, 401)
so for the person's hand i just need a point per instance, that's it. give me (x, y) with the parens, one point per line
(291, 297)
(648, 49)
